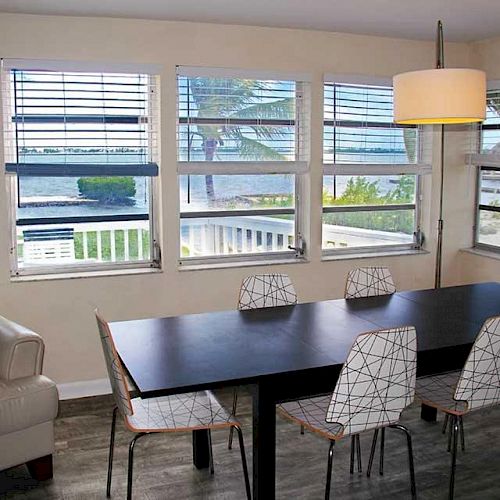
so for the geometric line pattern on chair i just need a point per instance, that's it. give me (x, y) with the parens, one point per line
(176, 413)
(479, 382)
(179, 412)
(114, 367)
(369, 282)
(438, 390)
(475, 387)
(376, 383)
(266, 290)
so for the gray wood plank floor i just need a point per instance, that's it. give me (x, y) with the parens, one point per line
(164, 470)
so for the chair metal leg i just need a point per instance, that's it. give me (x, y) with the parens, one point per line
(410, 458)
(244, 462)
(353, 453)
(455, 427)
(210, 452)
(445, 422)
(450, 434)
(131, 463)
(233, 413)
(358, 451)
(329, 470)
(111, 450)
(462, 434)
(302, 429)
(382, 442)
(372, 452)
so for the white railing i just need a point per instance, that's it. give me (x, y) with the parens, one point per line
(129, 240)
(119, 241)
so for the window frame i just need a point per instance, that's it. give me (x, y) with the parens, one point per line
(11, 178)
(419, 168)
(299, 168)
(483, 208)
(482, 162)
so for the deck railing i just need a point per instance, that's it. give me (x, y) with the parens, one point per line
(122, 241)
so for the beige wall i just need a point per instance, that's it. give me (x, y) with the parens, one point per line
(61, 310)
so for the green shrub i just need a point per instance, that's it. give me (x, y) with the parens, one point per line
(112, 190)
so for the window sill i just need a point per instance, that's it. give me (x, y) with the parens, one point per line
(237, 264)
(84, 274)
(482, 253)
(371, 255)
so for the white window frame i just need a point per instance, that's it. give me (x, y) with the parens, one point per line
(299, 168)
(483, 162)
(362, 169)
(154, 262)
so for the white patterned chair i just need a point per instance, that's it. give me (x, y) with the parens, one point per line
(376, 383)
(369, 282)
(177, 413)
(476, 386)
(266, 290)
(259, 291)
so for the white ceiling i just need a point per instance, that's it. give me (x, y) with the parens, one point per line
(464, 20)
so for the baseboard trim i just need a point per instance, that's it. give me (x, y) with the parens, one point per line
(84, 388)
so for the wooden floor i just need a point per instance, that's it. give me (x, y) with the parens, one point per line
(164, 470)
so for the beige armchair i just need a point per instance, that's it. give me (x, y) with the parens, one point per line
(28, 402)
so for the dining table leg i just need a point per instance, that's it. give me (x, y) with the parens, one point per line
(264, 443)
(428, 413)
(201, 452)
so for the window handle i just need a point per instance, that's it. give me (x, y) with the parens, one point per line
(300, 249)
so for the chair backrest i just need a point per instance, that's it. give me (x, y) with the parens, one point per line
(266, 290)
(479, 382)
(377, 382)
(115, 369)
(369, 282)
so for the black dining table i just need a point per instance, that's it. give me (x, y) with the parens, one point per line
(289, 352)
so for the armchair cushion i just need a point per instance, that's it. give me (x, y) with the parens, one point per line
(21, 351)
(26, 402)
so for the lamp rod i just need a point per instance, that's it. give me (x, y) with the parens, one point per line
(439, 46)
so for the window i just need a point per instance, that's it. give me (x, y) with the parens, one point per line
(371, 167)
(242, 158)
(487, 230)
(80, 153)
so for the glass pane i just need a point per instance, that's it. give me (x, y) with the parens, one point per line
(84, 241)
(79, 243)
(236, 192)
(359, 127)
(236, 235)
(365, 229)
(41, 197)
(490, 188)
(489, 228)
(231, 119)
(368, 190)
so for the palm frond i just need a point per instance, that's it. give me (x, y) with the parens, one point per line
(255, 150)
(282, 109)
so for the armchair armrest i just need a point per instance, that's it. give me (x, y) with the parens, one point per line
(21, 351)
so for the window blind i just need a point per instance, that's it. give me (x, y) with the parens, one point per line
(80, 124)
(359, 127)
(240, 121)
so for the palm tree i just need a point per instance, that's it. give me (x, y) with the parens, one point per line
(219, 100)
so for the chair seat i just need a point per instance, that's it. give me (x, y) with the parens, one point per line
(311, 413)
(438, 390)
(180, 412)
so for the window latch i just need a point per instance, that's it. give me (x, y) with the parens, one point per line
(300, 249)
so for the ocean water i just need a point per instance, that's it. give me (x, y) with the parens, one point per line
(225, 187)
